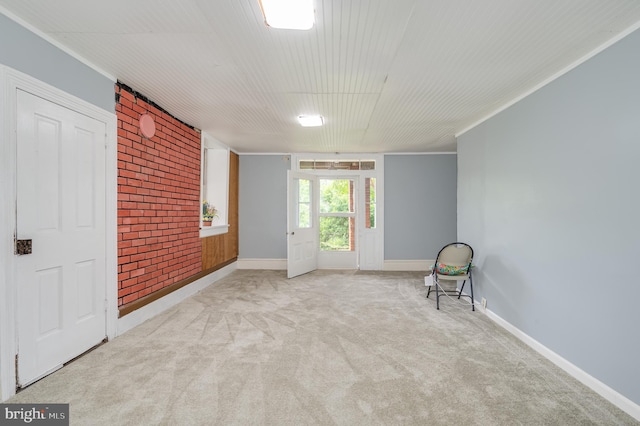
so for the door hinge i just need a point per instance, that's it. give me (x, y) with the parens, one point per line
(17, 378)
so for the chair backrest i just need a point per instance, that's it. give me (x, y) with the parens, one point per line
(455, 254)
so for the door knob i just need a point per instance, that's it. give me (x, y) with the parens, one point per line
(23, 247)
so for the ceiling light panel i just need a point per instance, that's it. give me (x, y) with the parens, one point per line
(288, 14)
(311, 120)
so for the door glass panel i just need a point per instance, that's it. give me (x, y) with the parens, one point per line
(304, 203)
(336, 196)
(337, 233)
(370, 202)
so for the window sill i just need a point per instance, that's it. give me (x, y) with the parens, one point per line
(208, 231)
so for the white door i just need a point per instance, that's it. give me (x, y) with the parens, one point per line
(302, 223)
(61, 307)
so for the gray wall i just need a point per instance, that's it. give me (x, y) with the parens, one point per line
(263, 206)
(548, 197)
(24, 51)
(419, 205)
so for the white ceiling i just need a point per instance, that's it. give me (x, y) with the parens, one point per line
(387, 75)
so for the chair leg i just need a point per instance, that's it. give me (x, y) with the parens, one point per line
(429, 291)
(461, 288)
(437, 296)
(473, 306)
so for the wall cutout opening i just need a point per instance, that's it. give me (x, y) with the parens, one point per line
(214, 187)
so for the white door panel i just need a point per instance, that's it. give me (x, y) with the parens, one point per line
(61, 208)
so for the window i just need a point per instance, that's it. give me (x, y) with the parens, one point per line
(337, 215)
(370, 203)
(337, 165)
(304, 203)
(214, 187)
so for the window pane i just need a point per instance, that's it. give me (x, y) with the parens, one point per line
(368, 165)
(215, 184)
(304, 216)
(337, 165)
(372, 217)
(336, 233)
(336, 196)
(306, 165)
(304, 190)
(304, 203)
(370, 202)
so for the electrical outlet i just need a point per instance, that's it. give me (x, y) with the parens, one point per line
(484, 303)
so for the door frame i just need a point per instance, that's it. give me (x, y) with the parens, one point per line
(10, 82)
(377, 260)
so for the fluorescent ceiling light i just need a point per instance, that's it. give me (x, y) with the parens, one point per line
(288, 14)
(311, 120)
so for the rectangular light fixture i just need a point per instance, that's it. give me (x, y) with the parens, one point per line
(311, 120)
(288, 14)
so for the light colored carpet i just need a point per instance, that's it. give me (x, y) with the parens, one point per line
(329, 347)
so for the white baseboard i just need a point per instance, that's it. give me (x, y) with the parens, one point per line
(139, 316)
(389, 265)
(407, 265)
(617, 399)
(275, 264)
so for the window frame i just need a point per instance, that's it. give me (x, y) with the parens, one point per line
(350, 215)
(210, 143)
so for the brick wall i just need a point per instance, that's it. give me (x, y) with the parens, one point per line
(158, 199)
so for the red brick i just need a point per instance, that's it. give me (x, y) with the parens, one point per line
(137, 272)
(129, 267)
(129, 298)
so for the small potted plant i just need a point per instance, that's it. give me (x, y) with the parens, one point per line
(208, 213)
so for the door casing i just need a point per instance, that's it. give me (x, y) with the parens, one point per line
(370, 257)
(10, 82)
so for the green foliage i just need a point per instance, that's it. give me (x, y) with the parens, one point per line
(334, 233)
(334, 198)
(208, 211)
(372, 216)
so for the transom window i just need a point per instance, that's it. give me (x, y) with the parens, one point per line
(337, 165)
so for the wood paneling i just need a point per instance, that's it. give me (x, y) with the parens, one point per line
(219, 250)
